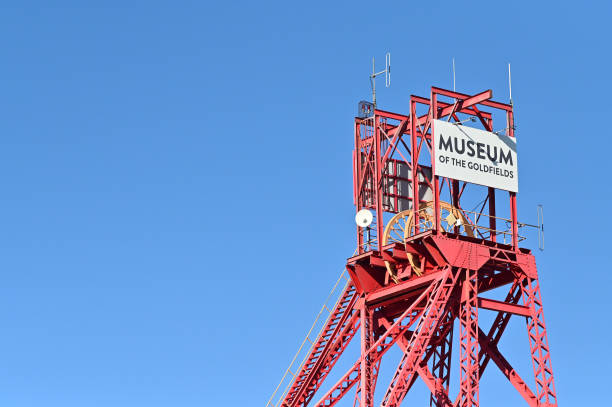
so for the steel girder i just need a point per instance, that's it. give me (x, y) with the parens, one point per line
(441, 366)
(367, 380)
(540, 354)
(468, 392)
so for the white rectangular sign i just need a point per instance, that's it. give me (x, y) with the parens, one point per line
(477, 156)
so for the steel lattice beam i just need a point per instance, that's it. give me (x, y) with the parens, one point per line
(538, 341)
(441, 366)
(468, 392)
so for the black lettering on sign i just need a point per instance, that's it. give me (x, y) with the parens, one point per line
(446, 145)
(462, 149)
(494, 158)
(505, 158)
(470, 146)
(480, 149)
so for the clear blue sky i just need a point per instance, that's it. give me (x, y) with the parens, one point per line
(176, 185)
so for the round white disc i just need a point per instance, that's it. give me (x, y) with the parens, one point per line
(363, 218)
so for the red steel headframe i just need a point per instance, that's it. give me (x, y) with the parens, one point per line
(409, 292)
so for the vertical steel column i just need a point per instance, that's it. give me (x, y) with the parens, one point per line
(455, 193)
(357, 168)
(513, 213)
(469, 347)
(455, 200)
(492, 214)
(491, 196)
(538, 341)
(355, 173)
(436, 179)
(414, 160)
(441, 366)
(367, 340)
(378, 187)
(513, 216)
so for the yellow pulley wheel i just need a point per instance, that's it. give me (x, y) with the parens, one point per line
(401, 227)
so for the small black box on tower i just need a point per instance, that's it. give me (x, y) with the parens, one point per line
(365, 109)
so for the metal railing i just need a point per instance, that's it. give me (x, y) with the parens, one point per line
(461, 221)
(487, 232)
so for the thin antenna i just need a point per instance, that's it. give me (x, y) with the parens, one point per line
(374, 74)
(541, 227)
(510, 82)
(388, 69)
(454, 90)
(373, 82)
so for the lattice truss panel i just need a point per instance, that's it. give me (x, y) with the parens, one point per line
(423, 331)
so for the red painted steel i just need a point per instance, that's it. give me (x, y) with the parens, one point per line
(419, 340)
(441, 366)
(469, 374)
(539, 343)
(323, 351)
(391, 301)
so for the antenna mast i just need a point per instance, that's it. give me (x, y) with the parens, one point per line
(374, 74)
(510, 82)
(454, 90)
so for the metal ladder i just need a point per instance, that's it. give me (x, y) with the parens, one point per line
(300, 372)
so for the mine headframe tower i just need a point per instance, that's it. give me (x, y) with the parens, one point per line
(424, 262)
